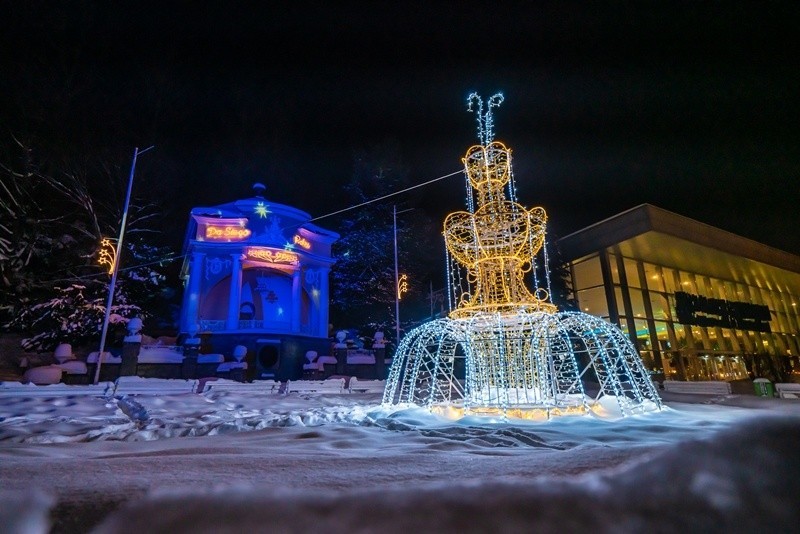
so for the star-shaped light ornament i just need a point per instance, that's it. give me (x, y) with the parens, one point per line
(261, 210)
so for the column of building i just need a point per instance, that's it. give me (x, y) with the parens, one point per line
(192, 298)
(235, 294)
(297, 300)
(323, 298)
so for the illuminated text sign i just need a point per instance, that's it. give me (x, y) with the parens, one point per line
(302, 242)
(271, 255)
(227, 233)
(703, 311)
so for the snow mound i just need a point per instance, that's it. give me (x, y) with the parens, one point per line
(27, 512)
(742, 480)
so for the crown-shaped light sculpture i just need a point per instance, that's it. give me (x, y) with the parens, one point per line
(504, 349)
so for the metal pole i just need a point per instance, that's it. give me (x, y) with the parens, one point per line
(431, 297)
(117, 258)
(396, 283)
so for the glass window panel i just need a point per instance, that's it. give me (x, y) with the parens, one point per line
(777, 300)
(698, 335)
(612, 263)
(653, 275)
(669, 280)
(620, 303)
(741, 293)
(593, 301)
(783, 325)
(680, 335)
(660, 306)
(730, 292)
(662, 335)
(712, 287)
(642, 334)
(632, 273)
(637, 302)
(752, 295)
(648, 359)
(744, 342)
(793, 315)
(731, 341)
(718, 340)
(623, 325)
(670, 362)
(766, 298)
(588, 273)
(687, 283)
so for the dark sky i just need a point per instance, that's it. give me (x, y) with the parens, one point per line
(689, 106)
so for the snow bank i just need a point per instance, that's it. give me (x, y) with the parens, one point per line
(26, 512)
(233, 461)
(743, 480)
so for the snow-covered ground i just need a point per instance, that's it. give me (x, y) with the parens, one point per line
(233, 462)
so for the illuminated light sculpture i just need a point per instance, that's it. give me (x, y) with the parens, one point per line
(402, 286)
(261, 210)
(504, 350)
(107, 254)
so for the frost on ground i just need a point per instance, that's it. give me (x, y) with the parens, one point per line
(232, 462)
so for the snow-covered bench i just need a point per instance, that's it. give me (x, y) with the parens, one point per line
(704, 387)
(160, 354)
(135, 385)
(331, 385)
(259, 386)
(360, 357)
(787, 390)
(366, 386)
(9, 389)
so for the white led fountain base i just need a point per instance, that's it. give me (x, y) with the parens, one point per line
(504, 350)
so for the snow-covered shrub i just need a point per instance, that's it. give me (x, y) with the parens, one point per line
(74, 315)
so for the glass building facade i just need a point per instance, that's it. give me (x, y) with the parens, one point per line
(698, 302)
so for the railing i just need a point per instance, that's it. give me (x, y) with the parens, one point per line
(208, 325)
(250, 324)
(160, 354)
(211, 326)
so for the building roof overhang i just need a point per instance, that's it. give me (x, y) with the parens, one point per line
(665, 238)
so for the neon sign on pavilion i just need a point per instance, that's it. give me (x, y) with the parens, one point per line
(504, 350)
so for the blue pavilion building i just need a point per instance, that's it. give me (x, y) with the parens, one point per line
(256, 274)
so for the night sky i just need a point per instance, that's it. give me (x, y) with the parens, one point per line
(690, 106)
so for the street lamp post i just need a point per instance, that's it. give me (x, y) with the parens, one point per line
(397, 286)
(396, 283)
(115, 268)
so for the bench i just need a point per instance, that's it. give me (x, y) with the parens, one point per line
(135, 385)
(707, 387)
(259, 386)
(366, 386)
(787, 390)
(330, 386)
(18, 389)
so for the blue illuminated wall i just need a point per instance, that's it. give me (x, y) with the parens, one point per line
(256, 273)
